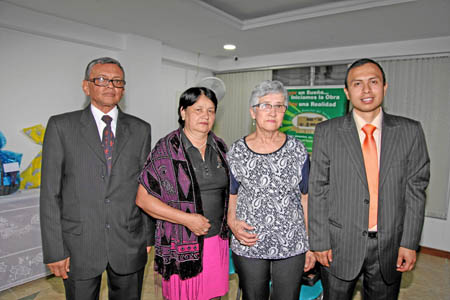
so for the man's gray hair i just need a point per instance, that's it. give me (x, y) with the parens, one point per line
(268, 87)
(101, 60)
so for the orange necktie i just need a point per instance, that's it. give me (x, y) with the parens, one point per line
(369, 149)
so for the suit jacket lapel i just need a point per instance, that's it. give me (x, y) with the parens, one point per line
(349, 134)
(389, 139)
(122, 136)
(90, 133)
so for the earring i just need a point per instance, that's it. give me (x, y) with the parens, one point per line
(254, 122)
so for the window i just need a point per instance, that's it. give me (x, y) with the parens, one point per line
(312, 75)
(294, 76)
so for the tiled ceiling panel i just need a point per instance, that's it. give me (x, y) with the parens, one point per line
(251, 9)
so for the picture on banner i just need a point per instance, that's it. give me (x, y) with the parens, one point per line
(309, 106)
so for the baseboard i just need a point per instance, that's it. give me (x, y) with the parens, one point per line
(434, 252)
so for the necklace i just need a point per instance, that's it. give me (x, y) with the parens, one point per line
(198, 147)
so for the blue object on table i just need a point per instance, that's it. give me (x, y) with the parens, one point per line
(9, 169)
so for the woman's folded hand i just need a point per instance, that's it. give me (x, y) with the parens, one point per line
(241, 232)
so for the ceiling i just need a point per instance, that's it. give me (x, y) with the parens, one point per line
(258, 27)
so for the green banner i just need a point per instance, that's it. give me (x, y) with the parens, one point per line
(309, 106)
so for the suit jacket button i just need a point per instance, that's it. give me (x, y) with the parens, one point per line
(366, 201)
(107, 201)
(107, 226)
(364, 233)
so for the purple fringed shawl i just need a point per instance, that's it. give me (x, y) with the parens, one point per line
(169, 176)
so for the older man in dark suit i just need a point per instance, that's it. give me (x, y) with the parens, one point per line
(89, 220)
(368, 177)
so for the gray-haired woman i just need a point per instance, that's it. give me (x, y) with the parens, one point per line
(267, 211)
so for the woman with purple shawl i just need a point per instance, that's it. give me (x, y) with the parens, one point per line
(185, 187)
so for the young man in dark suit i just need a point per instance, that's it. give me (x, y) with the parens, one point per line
(90, 165)
(369, 172)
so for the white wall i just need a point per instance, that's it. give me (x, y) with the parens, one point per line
(428, 46)
(436, 233)
(43, 59)
(141, 60)
(39, 77)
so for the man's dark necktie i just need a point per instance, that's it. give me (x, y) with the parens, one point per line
(108, 141)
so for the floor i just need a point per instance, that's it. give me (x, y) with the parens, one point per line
(430, 280)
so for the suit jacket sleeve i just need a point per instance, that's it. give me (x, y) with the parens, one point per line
(417, 176)
(149, 222)
(50, 197)
(319, 185)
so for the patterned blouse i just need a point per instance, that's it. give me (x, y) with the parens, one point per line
(268, 188)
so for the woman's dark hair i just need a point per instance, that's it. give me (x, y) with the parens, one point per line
(190, 96)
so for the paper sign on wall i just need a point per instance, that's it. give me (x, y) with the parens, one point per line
(309, 106)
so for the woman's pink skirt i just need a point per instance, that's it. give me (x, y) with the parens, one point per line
(210, 283)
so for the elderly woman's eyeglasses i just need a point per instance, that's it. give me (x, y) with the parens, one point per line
(102, 81)
(279, 108)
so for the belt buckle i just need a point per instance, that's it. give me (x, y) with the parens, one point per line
(372, 234)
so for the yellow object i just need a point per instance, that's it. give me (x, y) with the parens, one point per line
(36, 133)
(31, 176)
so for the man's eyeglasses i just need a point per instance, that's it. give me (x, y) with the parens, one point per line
(279, 108)
(101, 81)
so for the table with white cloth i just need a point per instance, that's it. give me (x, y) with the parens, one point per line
(20, 239)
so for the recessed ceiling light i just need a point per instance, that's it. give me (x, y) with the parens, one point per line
(229, 47)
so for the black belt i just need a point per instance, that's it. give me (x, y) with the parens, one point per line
(372, 234)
